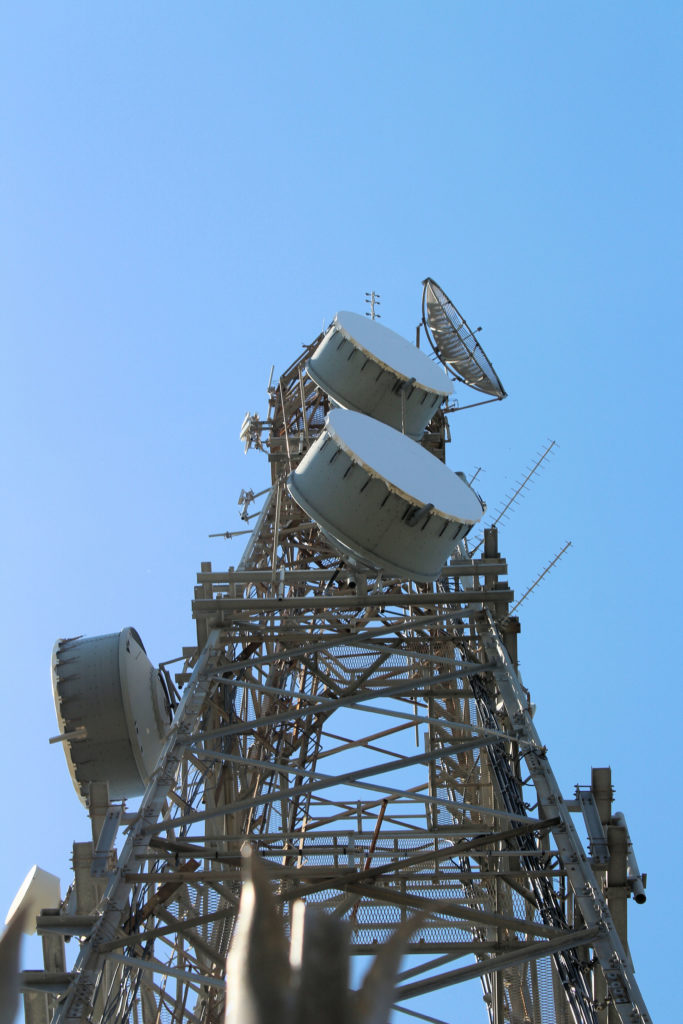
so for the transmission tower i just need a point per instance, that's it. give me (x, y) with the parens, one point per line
(368, 732)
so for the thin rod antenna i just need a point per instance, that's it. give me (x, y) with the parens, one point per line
(472, 405)
(534, 469)
(229, 534)
(539, 578)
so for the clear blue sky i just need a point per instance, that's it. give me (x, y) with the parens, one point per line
(190, 191)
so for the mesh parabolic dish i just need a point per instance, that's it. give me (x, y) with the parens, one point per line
(455, 344)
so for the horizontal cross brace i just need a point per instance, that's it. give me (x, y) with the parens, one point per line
(208, 606)
(468, 567)
(157, 967)
(524, 954)
(324, 782)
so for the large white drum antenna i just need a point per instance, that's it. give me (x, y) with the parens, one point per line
(383, 498)
(367, 368)
(112, 710)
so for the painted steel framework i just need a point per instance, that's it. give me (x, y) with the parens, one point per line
(372, 738)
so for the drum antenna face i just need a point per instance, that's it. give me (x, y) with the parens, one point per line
(455, 344)
(367, 368)
(382, 497)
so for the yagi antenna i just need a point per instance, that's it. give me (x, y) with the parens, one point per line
(455, 344)
(541, 575)
(513, 498)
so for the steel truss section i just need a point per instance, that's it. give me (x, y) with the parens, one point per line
(372, 738)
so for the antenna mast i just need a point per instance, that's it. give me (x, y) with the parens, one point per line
(353, 621)
(372, 299)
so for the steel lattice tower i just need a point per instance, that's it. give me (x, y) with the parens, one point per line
(372, 738)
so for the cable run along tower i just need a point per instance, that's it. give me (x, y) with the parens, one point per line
(353, 709)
